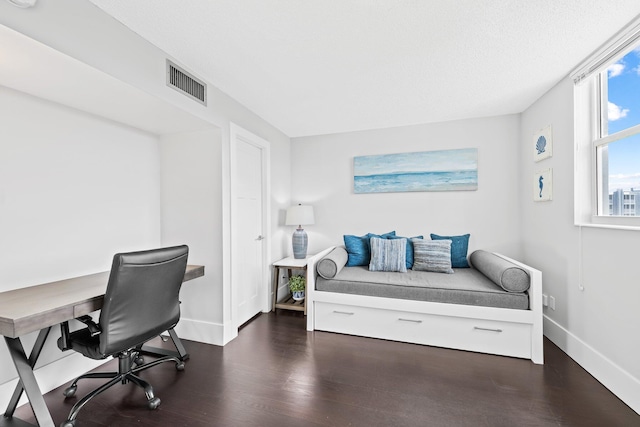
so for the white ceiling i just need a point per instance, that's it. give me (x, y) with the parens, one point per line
(324, 66)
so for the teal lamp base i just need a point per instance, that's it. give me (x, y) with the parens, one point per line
(300, 241)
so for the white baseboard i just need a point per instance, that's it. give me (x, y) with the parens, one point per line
(54, 375)
(205, 332)
(612, 376)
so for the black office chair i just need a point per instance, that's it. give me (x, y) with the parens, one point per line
(140, 303)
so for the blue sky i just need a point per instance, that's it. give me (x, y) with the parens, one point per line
(624, 112)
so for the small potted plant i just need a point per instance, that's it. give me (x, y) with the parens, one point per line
(297, 285)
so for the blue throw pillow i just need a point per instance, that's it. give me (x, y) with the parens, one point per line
(381, 236)
(459, 248)
(409, 256)
(359, 247)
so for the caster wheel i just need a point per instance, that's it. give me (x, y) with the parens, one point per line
(180, 366)
(153, 403)
(68, 424)
(69, 392)
(139, 360)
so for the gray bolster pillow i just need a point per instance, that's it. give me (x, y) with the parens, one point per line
(329, 266)
(503, 273)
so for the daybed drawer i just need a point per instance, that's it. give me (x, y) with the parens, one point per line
(354, 320)
(505, 338)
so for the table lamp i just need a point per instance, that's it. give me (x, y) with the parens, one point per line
(300, 215)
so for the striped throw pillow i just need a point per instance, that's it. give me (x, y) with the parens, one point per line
(432, 255)
(388, 255)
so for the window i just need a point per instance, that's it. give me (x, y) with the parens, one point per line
(617, 141)
(607, 132)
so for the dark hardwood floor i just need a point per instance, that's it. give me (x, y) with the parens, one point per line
(277, 374)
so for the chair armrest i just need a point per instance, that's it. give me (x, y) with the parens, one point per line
(63, 342)
(93, 327)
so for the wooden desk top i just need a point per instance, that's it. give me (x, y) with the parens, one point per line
(36, 307)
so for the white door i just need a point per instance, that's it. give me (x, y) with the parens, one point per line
(249, 279)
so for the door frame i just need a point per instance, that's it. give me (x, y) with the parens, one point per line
(237, 134)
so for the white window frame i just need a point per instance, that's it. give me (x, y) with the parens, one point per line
(601, 187)
(589, 109)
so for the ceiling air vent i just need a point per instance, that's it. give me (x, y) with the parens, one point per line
(184, 82)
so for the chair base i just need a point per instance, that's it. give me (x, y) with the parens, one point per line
(127, 369)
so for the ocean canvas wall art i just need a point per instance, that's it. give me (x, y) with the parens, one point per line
(444, 170)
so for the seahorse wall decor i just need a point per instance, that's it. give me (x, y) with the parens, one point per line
(543, 185)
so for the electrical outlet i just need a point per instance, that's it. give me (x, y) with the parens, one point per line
(545, 300)
(552, 303)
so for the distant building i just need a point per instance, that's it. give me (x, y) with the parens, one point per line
(624, 203)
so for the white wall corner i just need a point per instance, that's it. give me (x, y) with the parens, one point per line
(617, 380)
(205, 332)
(230, 332)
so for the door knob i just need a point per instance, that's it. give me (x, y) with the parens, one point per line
(260, 238)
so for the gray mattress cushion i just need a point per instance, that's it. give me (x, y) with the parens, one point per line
(503, 273)
(331, 264)
(466, 286)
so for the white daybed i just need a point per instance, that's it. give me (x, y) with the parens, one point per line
(501, 331)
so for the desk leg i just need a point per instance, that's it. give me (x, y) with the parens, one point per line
(33, 358)
(181, 351)
(28, 381)
(176, 341)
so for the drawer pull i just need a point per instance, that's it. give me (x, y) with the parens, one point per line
(409, 320)
(487, 329)
(348, 313)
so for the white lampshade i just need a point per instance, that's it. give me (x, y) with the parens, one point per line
(300, 215)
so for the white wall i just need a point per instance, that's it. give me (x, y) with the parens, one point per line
(192, 214)
(322, 175)
(74, 190)
(598, 326)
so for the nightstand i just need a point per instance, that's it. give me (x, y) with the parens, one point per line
(289, 263)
